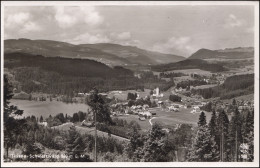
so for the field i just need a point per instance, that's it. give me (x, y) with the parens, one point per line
(244, 97)
(86, 130)
(46, 108)
(168, 118)
(190, 71)
(122, 95)
(203, 86)
(182, 117)
(145, 125)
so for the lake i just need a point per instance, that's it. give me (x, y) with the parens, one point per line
(46, 108)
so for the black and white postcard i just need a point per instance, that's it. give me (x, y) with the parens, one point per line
(135, 83)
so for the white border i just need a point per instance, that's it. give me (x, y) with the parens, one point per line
(140, 164)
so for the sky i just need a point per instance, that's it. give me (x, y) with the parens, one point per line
(179, 30)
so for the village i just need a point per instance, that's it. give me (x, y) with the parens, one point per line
(176, 105)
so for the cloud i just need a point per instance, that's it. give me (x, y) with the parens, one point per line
(121, 36)
(175, 45)
(88, 38)
(67, 17)
(16, 19)
(232, 21)
(30, 26)
(21, 22)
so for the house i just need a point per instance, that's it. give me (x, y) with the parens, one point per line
(196, 109)
(160, 103)
(87, 123)
(173, 108)
(44, 123)
(146, 114)
(141, 118)
(157, 93)
(145, 106)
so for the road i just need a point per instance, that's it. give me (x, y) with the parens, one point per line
(150, 121)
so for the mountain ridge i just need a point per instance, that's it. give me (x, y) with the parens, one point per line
(108, 53)
(227, 53)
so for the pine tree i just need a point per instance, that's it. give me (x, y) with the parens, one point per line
(213, 126)
(202, 119)
(222, 134)
(136, 141)
(248, 133)
(234, 136)
(154, 149)
(32, 149)
(234, 102)
(75, 147)
(12, 127)
(204, 148)
(41, 119)
(97, 103)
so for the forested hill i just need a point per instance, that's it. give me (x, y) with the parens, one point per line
(189, 64)
(228, 53)
(65, 66)
(67, 76)
(233, 86)
(110, 54)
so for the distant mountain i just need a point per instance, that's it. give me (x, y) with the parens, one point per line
(228, 53)
(112, 54)
(50, 48)
(134, 54)
(189, 64)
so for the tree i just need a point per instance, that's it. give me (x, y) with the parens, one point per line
(234, 103)
(75, 147)
(175, 98)
(131, 96)
(81, 116)
(75, 117)
(234, 135)
(32, 149)
(213, 124)
(222, 135)
(202, 119)
(204, 148)
(96, 102)
(41, 119)
(12, 127)
(207, 107)
(136, 141)
(60, 117)
(250, 134)
(151, 92)
(247, 131)
(154, 149)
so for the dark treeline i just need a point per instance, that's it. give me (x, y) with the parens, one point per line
(171, 74)
(120, 127)
(189, 64)
(232, 87)
(175, 98)
(142, 101)
(66, 76)
(220, 139)
(188, 83)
